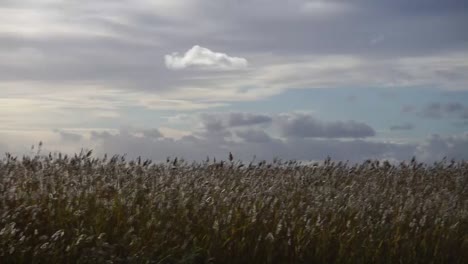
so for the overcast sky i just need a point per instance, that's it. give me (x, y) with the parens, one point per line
(293, 79)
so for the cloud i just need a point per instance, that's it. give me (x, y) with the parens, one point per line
(437, 110)
(247, 143)
(433, 110)
(152, 133)
(437, 147)
(306, 126)
(454, 107)
(66, 64)
(312, 72)
(254, 143)
(376, 39)
(254, 136)
(98, 135)
(122, 52)
(212, 122)
(261, 144)
(131, 35)
(324, 8)
(461, 124)
(199, 57)
(288, 125)
(464, 115)
(220, 121)
(69, 136)
(407, 108)
(247, 119)
(351, 98)
(157, 103)
(214, 128)
(405, 126)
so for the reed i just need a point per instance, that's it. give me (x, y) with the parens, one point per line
(84, 209)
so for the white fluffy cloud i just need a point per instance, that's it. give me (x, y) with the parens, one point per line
(204, 58)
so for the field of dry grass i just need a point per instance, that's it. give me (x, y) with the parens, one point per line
(82, 209)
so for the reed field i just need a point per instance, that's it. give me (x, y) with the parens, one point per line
(84, 209)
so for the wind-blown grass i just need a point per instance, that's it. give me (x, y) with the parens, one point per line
(82, 209)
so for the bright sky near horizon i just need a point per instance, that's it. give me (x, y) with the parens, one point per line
(294, 79)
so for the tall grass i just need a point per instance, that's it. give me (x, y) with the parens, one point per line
(82, 209)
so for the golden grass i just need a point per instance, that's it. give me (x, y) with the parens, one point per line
(81, 209)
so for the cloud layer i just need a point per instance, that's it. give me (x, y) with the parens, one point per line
(100, 65)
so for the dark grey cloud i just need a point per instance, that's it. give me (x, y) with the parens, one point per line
(264, 145)
(152, 133)
(354, 150)
(212, 122)
(306, 126)
(433, 110)
(405, 126)
(69, 136)
(453, 107)
(98, 135)
(247, 119)
(197, 148)
(254, 144)
(214, 128)
(464, 115)
(351, 98)
(408, 108)
(217, 138)
(461, 124)
(292, 125)
(254, 136)
(437, 110)
(438, 147)
(216, 122)
(189, 147)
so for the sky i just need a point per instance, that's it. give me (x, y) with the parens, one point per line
(263, 79)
